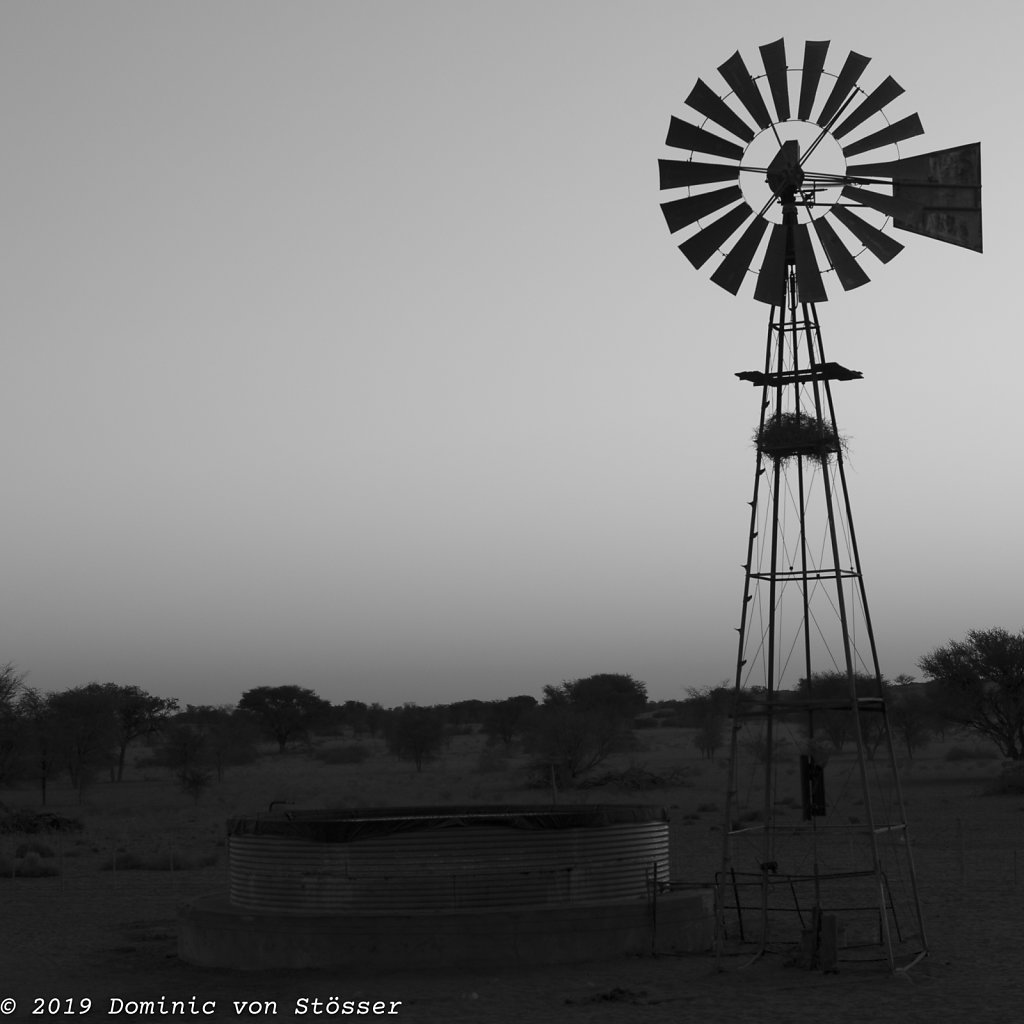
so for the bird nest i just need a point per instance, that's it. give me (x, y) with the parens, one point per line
(795, 433)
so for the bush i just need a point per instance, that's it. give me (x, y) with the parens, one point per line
(31, 822)
(350, 753)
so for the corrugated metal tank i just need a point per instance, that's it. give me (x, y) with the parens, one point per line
(394, 860)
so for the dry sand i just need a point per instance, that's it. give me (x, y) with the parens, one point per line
(99, 935)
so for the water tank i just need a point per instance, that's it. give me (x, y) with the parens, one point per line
(391, 860)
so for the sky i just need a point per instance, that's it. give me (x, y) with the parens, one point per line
(345, 346)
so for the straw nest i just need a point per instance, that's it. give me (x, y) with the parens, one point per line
(795, 433)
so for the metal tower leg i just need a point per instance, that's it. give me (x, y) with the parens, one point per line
(807, 668)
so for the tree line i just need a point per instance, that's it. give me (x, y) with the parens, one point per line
(974, 686)
(81, 733)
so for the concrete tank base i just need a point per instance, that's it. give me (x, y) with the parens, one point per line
(213, 933)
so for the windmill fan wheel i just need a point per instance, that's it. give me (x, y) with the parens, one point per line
(779, 189)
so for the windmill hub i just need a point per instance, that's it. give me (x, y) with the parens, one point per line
(784, 155)
(785, 175)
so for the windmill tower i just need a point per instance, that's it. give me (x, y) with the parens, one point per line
(816, 855)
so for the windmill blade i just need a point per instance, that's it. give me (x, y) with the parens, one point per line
(845, 82)
(881, 97)
(706, 102)
(899, 131)
(682, 173)
(703, 245)
(850, 273)
(773, 57)
(682, 212)
(809, 285)
(683, 135)
(814, 64)
(892, 206)
(733, 269)
(771, 281)
(877, 242)
(735, 72)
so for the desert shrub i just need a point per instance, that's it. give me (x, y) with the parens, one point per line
(28, 822)
(194, 782)
(350, 753)
(35, 847)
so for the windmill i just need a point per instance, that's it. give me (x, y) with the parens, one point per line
(816, 854)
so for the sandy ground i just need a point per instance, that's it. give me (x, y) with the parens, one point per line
(102, 935)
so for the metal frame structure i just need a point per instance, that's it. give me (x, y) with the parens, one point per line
(837, 882)
(825, 603)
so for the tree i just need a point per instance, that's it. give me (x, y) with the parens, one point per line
(12, 686)
(978, 683)
(136, 713)
(910, 713)
(612, 694)
(353, 713)
(284, 712)
(837, 723)
(415, 734)
(86, 726)
(581, 722)
(504, 719)
(40, 745)
(206, 736)
(710, 735)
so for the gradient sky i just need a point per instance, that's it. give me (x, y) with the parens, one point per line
(344, 345)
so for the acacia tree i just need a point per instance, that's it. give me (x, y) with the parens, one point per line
(40, 749)
(978, 683)
(504, 719)
(204, 736)
(415, 734)
(284, 712)
(85, 723)
(12, 686)
(136, 713)
(911, 713)
(582, 721)
(837, 723)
